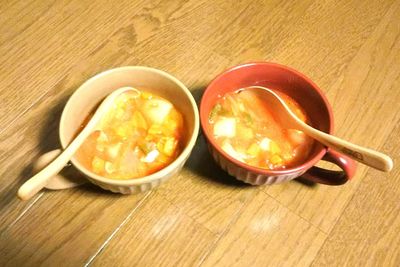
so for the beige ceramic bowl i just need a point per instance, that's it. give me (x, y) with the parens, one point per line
(89, 94)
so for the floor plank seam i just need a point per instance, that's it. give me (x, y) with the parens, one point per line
(366, 172)
(30, 205)
(345, 207)
(294, 212)
(226, 230)
(107, 241)
(51, 87)
(34, 103)
(185, 213)
(319, 250)
(317, 227)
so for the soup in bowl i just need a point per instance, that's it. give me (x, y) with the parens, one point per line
(139, 135)
(246, 140)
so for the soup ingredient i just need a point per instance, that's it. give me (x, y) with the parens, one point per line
(247, 130)
(140, 135)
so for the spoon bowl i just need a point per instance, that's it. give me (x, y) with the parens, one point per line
(289, 120)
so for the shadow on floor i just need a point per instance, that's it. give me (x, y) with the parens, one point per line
(201, 161)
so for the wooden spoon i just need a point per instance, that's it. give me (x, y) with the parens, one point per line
(39, 180)
(289, 120)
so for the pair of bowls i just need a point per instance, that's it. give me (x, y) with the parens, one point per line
(291, 82)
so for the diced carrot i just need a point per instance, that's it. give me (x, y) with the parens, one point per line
(253, 150)
(123, 131)
(146, 95)
(161, 143)
(97, 165)
(155, 129)
(138, 120)
(170, 127)
(276, 160)
(170, 146)
(244, 132)
(274, 148)
(163, 159)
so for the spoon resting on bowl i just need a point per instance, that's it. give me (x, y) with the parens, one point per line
(40, 179)
(289, 120)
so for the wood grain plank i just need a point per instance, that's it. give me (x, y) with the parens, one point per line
(367, 233)
(215, 198)
(365, 114)
(17, 16)
(45, 51)
(202, 215)
(267, 234)
(158, 234)
(23, 141)
(37, 131)
(42, 54)
(65, 232)
(317, 38)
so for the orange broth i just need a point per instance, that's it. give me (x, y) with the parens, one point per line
(140, 135)
(247, 130)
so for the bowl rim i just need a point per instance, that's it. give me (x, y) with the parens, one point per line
(148, 178)
(204, 120)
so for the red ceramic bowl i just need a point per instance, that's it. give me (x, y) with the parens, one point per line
(307, 94)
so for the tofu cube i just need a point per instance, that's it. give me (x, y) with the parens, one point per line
(265, 144)
(156, 110)
(225, 127)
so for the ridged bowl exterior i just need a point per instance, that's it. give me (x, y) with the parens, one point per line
(138, 188)
(248, 176)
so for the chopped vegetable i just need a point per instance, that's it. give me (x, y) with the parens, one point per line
(151, 156)
(155, 129)
(170, 146)
(243, 132)
(140, 135)
(265, 143)
(113, 150)
(274, 148)
(276, 160)
(156, 110)
(109, 167)
(227, 147)
(214, 112)
(253, 150)
(225, 127)
(138, 120)
(98, 165)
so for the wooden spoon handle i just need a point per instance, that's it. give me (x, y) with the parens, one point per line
(361, 154)
(39, 180)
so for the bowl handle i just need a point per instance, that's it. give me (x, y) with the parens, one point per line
(66, 179)
(330, 177)
(55, 182)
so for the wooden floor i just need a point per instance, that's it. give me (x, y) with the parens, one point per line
(201, 217)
